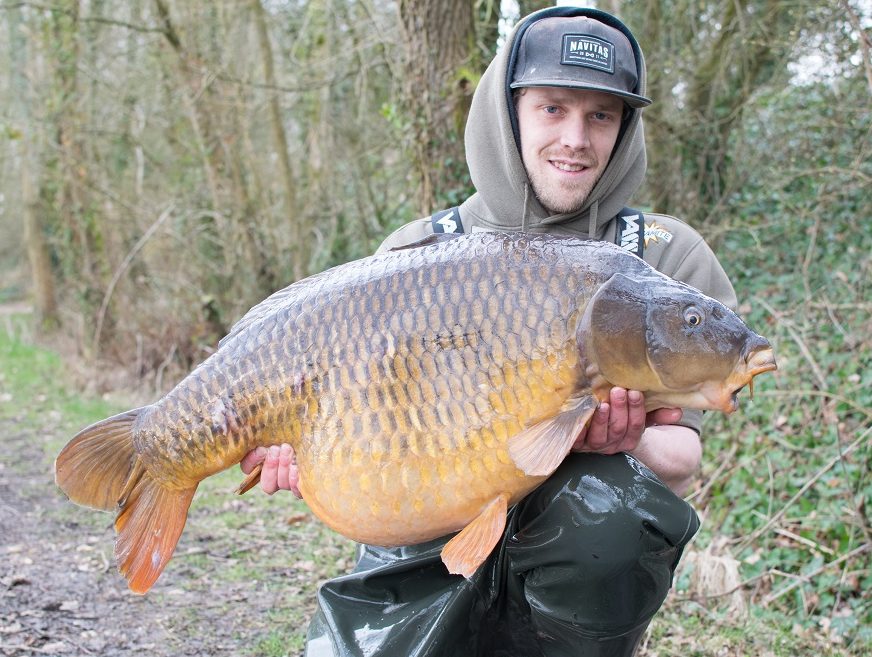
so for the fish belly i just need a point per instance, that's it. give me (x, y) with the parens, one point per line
(414, 499)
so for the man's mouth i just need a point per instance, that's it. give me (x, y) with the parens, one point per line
(572, 167)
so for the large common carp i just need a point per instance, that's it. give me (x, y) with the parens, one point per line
(424, 390)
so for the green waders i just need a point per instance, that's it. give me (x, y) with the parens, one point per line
(586, 561)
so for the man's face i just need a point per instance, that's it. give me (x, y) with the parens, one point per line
(567, 136)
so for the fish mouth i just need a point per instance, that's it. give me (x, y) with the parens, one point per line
(717, 394)
(758, 362)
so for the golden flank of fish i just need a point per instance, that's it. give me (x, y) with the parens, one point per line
(424, 390)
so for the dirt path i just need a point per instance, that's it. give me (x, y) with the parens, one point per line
(242, 582)
(61, 595)
(50, 602)
(59, 591)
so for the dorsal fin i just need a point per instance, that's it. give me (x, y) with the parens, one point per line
(435, 238)
(269, 306)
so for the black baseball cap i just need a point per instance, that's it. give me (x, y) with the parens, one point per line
(578, 52)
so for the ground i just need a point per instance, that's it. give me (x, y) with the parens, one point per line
(243, 592)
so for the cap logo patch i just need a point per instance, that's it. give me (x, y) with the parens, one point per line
(589, 51)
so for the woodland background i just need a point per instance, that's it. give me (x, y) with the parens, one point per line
(164, 165)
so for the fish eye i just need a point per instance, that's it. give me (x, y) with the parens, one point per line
(693, 316)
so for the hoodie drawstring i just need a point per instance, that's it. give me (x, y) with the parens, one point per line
(526, 208)
(591, 226)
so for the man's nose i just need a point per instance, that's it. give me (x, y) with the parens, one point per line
(575, 134)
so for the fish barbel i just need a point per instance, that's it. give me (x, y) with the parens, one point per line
(424, 390)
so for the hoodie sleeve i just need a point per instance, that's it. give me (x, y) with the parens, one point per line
(701, 269)
(681, 253)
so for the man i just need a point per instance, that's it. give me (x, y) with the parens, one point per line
(554, 143)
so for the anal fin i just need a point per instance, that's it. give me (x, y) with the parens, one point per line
(148, 526)
(540, 448)
(464, 553)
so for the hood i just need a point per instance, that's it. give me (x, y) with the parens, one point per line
(504, 199)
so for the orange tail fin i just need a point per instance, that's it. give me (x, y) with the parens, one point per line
(94, 466)
(100, 468)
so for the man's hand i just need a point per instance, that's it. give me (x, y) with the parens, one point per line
(672, 451)
(618, 424)
(279, 468)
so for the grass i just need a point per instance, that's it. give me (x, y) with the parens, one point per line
(281, 642)
(34, 390)
(786, 484)
(688, 632)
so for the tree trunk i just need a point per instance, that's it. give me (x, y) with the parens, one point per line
(742, 58)
(232, 242)
(38, 256)
(702, 72)
(41, 274)
(529, 6)
(662, 181)
(441, 67)
(78, 219)
(200, 120)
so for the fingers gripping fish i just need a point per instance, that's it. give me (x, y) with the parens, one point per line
(424, 391)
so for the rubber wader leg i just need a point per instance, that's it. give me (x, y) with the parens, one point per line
(593, 552)
(398, 602)
(586, 561)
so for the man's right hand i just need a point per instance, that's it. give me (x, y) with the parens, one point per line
(279, 468)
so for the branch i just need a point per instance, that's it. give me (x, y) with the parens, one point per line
(128, 259)
(805, 578)
(865, 45)
(864, 437)
(169, 29)
(102, 20)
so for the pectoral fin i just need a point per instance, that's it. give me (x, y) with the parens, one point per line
(540, 448)
(464, 553)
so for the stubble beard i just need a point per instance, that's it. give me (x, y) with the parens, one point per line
(557, 198)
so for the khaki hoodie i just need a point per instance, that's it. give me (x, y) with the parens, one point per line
(504, 199)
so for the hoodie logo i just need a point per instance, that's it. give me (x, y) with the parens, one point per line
(589, 51)
(629, 229)
(655, 233)
(446, 221)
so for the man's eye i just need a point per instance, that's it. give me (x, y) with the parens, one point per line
(601, 116)
(551, 109)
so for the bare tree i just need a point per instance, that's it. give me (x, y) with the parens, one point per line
(187, 158)
(529, 6)
(706, 62)
(439, 59)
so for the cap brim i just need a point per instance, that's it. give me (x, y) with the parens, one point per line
(633, 100)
